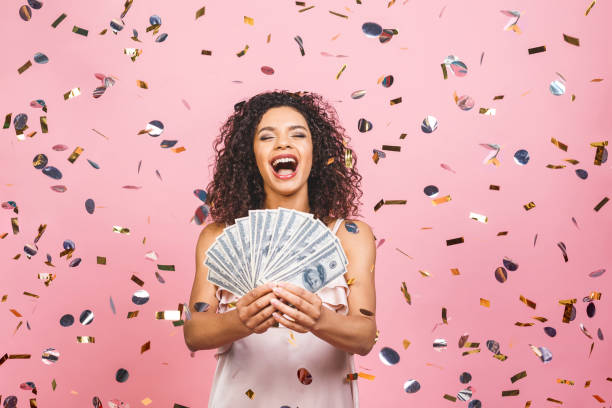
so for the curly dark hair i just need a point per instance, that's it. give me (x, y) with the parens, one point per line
(236, 187)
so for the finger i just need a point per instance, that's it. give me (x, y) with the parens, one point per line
(260, 304)
(297, 315)
(289, 324)
(265, 325)
(255, 294)
(307, 306)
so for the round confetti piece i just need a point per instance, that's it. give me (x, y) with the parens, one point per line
(501, 275)
(557, 87)
(40, 58)
(351, 227)
(96, 402)
(30, 250)
(521, 157)
(35, 4)
(371, 29)
(122, 375)
(510, 265)
(439, 344)
(430, 123)
(99, 91)
(39, 103)
(59, 188)
(10, 402)
(412, 386)
(25, 12)
(431, 191)
(66, 320)
(582, 173)
(108, 82)
(28, 386)
(93, 164)
(465, 102)
(464, 395)
(388, 356)
(155, 128)
(387, 81)
(201, 214)
(550, 331)
(267, 70)
(116, 26)
(600, 335)
(90, 206)
(465, 377)
(59, 147)
(358, 94)
(590, 309)
(52, 172)
(86, 317)
(140, 297)
(386, 35)
(50, 356)
(75, 262)
(20, 121)
(546, 354)
(475, 404)
(493, 346)
(155, 19)
(68, 244)
(459, 68)
(116, 403)
(40, 161)
(161, 38)
(201, 306)
(304, 376)
(364, 125)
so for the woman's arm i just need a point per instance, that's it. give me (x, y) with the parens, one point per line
(209, 330)
(355, 332)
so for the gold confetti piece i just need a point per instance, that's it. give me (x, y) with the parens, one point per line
(560, 381)
(104, 32)
(444, 73)
(406, 343)
(479, 217)
(450, 397)
(73, 392)
(338, 14)
(471, 345)
(465, 353)
(441, 200)
(145, 347)
(341, 71)
(598, 398)
(72, 93)
(121, 230)
(300, 3)
(500, 357)
(61, 18)
(305, 9)
(586, 384)
(86, 339)
(53, 384)
(454, 241)
(350, 281)
(424, 273)
(4, 297)
(378, 205)
(487, 111)
(405, 292)
(444, 315)
(395, 101)
(248, 20)
(567, 314)
(206, 52)
(529, 206)
(455, 271)
(395, 202)
(19, 356)
(366, 376)
(589, 9)
(554, 400)
(80, 31)
(536, 50)
(16, 313)
(200, 12)
(146, 401)
(168, 315)
(25, 66)
(528, 302)
(498, 97)
(137, 280)
(142, 84)
(510, 393)
(330, 161)
(572, 40)
(518, 376)
(348, 158)
(568, 301)
(485, 302)
(601, 203)
(391, 148)
(249, 393)
(542, 319)
(560, 145)
(241, 53)
(133, 314)
(43, 124)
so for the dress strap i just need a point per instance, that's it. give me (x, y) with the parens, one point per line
(337, 225)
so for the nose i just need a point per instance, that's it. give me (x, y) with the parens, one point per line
(283, 141)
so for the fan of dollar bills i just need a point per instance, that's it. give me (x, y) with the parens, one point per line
(275, 245)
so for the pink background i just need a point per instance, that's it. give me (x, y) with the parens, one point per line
(161, 210)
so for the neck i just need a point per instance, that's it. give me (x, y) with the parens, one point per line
(297, 201)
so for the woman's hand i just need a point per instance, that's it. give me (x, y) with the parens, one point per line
(254, 308)
(308, 311)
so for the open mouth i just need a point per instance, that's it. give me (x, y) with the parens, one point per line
(284, 166)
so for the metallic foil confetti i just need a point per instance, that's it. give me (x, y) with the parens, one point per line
(122, 375)
(250, 393)
(571, 40)
(528, 302)
(75, 154)
(341, 71)
(430, 124)
(142, 84)
(267, 70)
(338, 14)
(518, 376)
(66, 320)
(86, 317)
(405, 292)
(25, 66)
(72, 93)
(304, 376)
(485, 302)
(364, 125)
(133, 314)
(58, 20)
(449, 397)
(439, 344)
(510, 393)
(248, 20)
(50, 356)
(80, 31)
(86, 339)
(464, 395)
(145, 347)
(140, 297)
(388, 356)
(298, 39)
(412, 386)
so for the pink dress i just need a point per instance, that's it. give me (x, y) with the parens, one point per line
(268, 363)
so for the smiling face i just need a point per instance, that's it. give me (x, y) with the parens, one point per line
(283, 151)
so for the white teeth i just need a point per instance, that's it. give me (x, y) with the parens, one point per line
(283, 160)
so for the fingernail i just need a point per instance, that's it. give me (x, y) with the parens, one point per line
(277, 290)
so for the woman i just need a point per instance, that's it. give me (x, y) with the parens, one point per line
(267, 348)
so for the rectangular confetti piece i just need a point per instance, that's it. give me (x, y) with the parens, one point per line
(58, 20)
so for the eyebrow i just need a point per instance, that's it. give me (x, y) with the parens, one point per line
(272, 128)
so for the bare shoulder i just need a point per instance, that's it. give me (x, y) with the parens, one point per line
(208, 234)
(355, 234)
